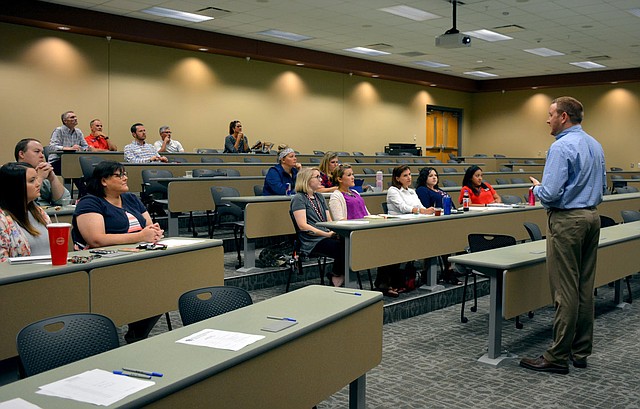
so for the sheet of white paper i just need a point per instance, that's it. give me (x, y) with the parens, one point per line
(96, 386)
(30, 259)
(181, 242)
(18, 403)
(409, 216)
(213, 338)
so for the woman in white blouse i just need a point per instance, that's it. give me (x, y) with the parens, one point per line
(401, 198)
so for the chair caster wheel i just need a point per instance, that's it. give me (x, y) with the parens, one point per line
(530, 314)
(519, 325)
(464, 320)
(474, 309)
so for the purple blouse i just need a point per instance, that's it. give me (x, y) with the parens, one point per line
(356, 208)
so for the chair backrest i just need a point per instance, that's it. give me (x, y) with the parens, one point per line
(497, 155)
(87, 163)
(449, 170)
(177, 159)
(385, 208)
(449, 183)
(252, 159)
(516, 181)
(153, 187)
(257, 190)
(358, 154)
(452, 161)
(381, 154)
(390, 171)
(404, 160)
(342, 153)
(206, 173)
(212, 159)
(229, 172)
(616, 169)
(368, 171)
(422, 161)
(511, 199)
(225, 207)
(626, 189)
(435, 161)
(480, 155)
(315, 160)
(385, 160)
(359, 160)
(57, 341)
(606, 221)
(206, 150)
(629, 216)
(319, 153)
(502, 181)
(482, 242)
(533, 230)
(208, 302)
(635, 176)
(529, 162)
(505, 169)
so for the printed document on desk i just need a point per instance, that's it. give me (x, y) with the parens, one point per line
(18, 403)
(213, 338)
(97, 387)
(180, 242)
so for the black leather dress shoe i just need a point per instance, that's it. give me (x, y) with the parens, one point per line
(579, 363)
(542, 365)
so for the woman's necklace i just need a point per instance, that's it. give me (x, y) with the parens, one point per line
(316, 208)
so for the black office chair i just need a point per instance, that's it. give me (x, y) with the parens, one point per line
(629, 216)
(57, 341)
(368, 171)
(228, 214)
(358, 154)
(295, 262)
(385, 207)
(319, 153)
(206, 173)
(505, 169)
(435, 161)
(533, 230)
(385, 160)
(510, 199)
(264, 172)
(343, 153)
(616, 169)
(315, 160)
(177, 159)
(87, 163)
(481, 242)
(359, 160)
(449, 170)
(252, 159)
(257, 190)
(380, 154)
(420, 161)
(449, 183)
(404, 160)
(626, 189)
(635, 176)
(516, 181)
(154, 194)
(497, 155)
(206, 150)
(212, 159)
(208, 302)
(480, 155)
(502, 181)
(452, 161)
(229, 172)
(529, 162)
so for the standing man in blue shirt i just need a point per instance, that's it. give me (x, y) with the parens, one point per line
(573, 183)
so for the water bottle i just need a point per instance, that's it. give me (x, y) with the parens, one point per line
(288, 191)
(465, 201)
(446, 204)
(532, 198)
(379, 181)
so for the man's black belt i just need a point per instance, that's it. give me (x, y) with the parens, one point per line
(556, 209)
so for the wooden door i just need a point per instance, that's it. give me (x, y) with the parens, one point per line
(443, 132)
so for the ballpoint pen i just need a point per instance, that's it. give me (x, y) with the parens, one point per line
(132, 375)
(347, 292)
(271, 317)
(142, 371)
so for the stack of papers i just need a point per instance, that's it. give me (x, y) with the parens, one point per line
(30, 259)
(18, 403)
(97, 387)
(179, 242)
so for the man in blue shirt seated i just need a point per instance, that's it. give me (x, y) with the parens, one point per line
(139, 151)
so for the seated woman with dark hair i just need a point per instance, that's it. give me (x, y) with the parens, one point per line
(427, 188)
(282, 174)
(309, 207)
(110, 215)
(401, 198)
(480, 193)
(23, 224)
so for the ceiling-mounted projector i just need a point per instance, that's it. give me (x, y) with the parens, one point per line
(452, 37)
(453, 40)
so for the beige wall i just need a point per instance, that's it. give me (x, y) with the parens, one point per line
(44, 73)
(514, 123)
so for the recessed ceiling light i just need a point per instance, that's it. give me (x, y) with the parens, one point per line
(285, 35)
(410, 13)
(374, 76)
(300, 64)
(177, 14)
(488, 35)
(367, 51)
(588, 65)
(635, 12)
(431, 64)
(614, 82)
(203, 49)
(433, 85)
(480, 74)
(543, 52)
(63, 28)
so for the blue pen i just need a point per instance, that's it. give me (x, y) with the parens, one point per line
(347, 292)
(132, 375)
(271, 317)
(149, 373)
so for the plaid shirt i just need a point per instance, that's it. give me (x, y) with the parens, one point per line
(62, 137)
(137, 153)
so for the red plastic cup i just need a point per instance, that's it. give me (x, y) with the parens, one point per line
(59, 242)
(437, 211)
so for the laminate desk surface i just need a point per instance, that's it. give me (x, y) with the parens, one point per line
(337, 339)
(519, 281)
(126, 288)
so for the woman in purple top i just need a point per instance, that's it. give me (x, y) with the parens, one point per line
(345, 203)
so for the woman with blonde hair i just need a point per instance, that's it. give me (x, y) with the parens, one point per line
(328, 165)
(309, 208)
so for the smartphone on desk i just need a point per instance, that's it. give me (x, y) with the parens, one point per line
(152, 246)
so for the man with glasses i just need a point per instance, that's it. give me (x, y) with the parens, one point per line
(166, 143)
(139, 151)
(66, 138)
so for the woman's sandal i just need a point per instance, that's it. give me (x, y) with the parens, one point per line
(390, 293)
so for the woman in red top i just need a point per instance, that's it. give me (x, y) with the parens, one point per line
(480, 193)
